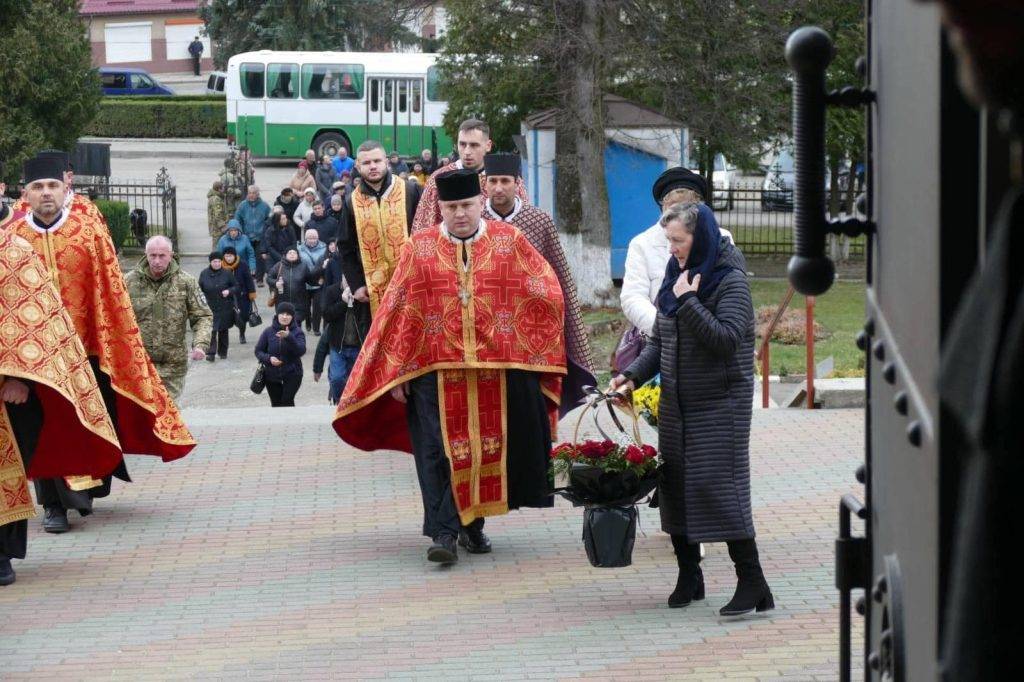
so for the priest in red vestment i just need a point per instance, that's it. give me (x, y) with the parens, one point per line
(503, 172)
(73, 201)
(52, 418)
(80, 260)
(474, 142)
(462, 367)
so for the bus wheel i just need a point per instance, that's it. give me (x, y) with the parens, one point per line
(329, 143)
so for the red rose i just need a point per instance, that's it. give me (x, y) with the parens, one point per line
(649, 452)
(634, 455)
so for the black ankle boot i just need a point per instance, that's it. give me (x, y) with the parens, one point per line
(752, 591)
(690, 583)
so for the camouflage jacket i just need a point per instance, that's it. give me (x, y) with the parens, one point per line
(163, 308)
(216, 212)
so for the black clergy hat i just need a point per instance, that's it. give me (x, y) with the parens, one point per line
(42, 168)
(502, 164)
(62, 157)
(458, 184)
(679, 178)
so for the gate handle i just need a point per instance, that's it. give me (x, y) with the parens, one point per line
(809, 51)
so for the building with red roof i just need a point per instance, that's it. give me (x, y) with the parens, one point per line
(149, 34)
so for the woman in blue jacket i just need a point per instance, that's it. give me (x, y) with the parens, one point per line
(280, 349)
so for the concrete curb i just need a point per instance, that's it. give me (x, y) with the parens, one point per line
(132, 154)
(146, 148)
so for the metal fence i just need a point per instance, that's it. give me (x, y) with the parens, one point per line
(761, 221)
(158, 198)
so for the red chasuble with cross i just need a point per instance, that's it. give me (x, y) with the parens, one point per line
(468, 311)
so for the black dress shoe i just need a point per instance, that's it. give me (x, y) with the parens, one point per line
(55, 520)
(241, 339)
(473, 538)
(6, 572)
(211, 358)
(223, 356)
(443, 551)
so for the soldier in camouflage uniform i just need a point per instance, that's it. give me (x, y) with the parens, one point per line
(229, 176)
(216, 211)
(165, 299)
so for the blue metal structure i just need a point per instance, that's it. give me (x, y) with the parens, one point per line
(629, 173)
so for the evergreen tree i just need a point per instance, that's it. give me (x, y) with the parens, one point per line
(342, 25)
(49, 92)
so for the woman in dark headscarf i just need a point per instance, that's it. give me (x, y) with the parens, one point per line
(220, 289)
(703, 344)
(245, 294)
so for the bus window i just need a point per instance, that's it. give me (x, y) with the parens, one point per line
(417, 96)
(403, 96)
(332, 81)
(251, 76)
(433, 85)
(282, 81)
(389, 94)
(374, 95)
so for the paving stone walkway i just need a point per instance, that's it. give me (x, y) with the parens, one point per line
(274, 552)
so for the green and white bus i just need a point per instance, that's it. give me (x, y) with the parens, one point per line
(279, 104)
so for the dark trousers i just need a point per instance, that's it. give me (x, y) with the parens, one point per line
(282, 394)
(54, 492)
(315, 310)
(27, 423)
(440, 515)
(219, 343)
(195, 64)
(261, 265)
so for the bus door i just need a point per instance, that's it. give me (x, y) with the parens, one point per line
(409, 117)
(251, 111)
(380, 120)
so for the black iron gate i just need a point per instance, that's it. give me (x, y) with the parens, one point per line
(158, 198)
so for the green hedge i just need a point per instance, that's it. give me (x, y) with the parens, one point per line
(132, 117)
(116, 213)
(163, 98)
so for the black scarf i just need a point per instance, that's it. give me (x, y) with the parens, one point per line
(703, 261)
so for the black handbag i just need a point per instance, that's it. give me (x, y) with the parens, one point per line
(259, 382)
(254, 316)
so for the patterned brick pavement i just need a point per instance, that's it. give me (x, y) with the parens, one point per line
(273, 552)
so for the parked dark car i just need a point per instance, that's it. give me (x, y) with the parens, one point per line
(130, 81)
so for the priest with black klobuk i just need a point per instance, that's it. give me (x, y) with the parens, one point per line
(462, 367)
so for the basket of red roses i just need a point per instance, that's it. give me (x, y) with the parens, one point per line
(607, 478)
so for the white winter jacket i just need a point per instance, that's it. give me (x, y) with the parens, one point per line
(646, 260)
(303, 213)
